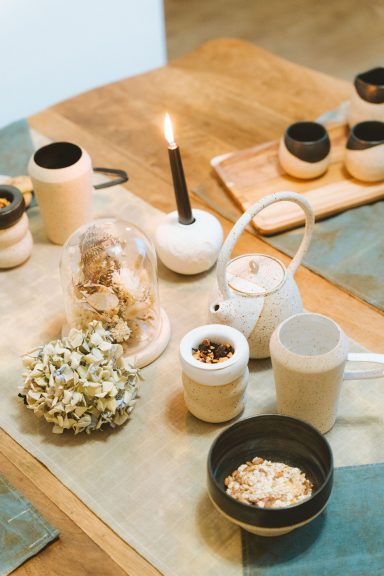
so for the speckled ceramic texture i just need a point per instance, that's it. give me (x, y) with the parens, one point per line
(300, 168)
(15, 243)
(308, 353)
(360, 110)
(366, 165)
(364, 155)
(215, 403)
(257, 316)
(215, 392)
(189, 249)
(64, 195)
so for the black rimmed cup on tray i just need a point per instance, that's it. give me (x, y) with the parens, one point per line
(364, 157)
(304, 150)
(276, 438)
(367, 99)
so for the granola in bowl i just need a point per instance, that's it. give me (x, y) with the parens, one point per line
(267, 484)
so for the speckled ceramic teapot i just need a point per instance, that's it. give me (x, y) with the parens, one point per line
(255, 292)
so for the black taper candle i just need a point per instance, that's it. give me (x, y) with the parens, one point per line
(181, 191)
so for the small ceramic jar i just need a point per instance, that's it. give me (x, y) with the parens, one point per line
(15, 237)
(304, 150)
(215, 392)
(364, 156)
(367, 99)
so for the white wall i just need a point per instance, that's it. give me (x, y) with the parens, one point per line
(53, 49)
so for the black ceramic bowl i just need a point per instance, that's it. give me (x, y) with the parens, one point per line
(280, 439)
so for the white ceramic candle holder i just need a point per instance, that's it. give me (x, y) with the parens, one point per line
(192, 248)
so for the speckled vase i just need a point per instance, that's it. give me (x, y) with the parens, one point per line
(255, 292)
(309, 353)
(304, 150)
(364, 155)
(215, 392)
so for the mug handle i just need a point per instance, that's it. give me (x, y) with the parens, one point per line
(122, 177)
(246, 218)
(362, 374)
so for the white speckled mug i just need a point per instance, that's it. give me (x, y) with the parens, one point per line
(309, 353)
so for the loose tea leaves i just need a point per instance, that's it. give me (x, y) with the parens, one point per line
(212, 352)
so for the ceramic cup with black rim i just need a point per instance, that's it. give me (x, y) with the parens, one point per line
(367, 99)
(304, 150)
(364, 157)
(61, 174)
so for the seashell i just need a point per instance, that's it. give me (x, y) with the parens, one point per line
(103, 300)
(99, 260)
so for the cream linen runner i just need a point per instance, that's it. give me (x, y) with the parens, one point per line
(147, 479)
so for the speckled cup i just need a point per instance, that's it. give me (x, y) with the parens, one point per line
(215, 392)
(309, 353)
(367, 97)
(304, 150)
(364, 154)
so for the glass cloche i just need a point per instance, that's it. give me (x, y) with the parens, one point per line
(109, 273)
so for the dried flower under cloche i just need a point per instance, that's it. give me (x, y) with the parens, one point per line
(81, 381)
(109, 274)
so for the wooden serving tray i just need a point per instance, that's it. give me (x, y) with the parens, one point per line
(255, 172)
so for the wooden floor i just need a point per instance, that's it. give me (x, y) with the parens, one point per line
(339, 37)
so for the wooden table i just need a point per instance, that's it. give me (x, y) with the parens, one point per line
(227, 95)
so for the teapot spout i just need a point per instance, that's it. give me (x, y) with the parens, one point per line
(240, 313)
(222, 312)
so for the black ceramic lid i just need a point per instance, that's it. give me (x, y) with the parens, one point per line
(13, 211)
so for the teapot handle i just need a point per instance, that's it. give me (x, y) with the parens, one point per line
(246, 218)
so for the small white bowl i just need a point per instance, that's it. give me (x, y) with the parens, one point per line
(214, 374)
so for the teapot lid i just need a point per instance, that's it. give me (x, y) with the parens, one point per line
(255, 274)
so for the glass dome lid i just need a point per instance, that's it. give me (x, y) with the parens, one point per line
(109, 273)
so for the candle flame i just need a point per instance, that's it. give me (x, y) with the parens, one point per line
(168, 130)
